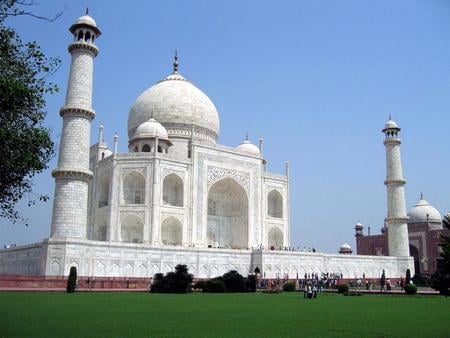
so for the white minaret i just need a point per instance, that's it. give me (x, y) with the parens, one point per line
(398, 242)
(72, 174)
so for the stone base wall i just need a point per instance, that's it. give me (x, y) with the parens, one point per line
(11, 282)
(289, 263)
(23, 260)
(54, 257)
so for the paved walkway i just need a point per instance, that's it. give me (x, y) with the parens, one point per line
(394, 291)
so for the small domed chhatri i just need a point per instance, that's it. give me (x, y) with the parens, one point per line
(85, 21)
(150, 136)
(248, 147)
(345, 249)
(151, 129)
(423, 212)
(390, 125)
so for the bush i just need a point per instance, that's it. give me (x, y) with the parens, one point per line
(408, 276)
(410, 289)
(157, 283)
(420, 280)
(179, 281)
(289, 287)
(216, 286)
(199, 285)
(234, 282)
(72, 280)
(343, 288)
(250, 283)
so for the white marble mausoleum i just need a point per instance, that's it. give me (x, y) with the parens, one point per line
(176, 196)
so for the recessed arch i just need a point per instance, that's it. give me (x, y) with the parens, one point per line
(145, 148)
(171, 231)
(103, 191)
(173, 190)
(227, 215)
(132, 229)
(275, 238)
(275, 204)
(414, 252)
(134, 188)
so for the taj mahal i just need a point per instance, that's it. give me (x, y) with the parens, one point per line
(177, 196)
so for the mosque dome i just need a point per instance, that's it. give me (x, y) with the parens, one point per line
(178, 105)
(423, 212)
(248, 147)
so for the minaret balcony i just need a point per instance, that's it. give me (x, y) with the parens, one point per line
(77, 112)
(396, 181)
(81, 45)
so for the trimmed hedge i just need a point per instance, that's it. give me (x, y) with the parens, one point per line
(343, 288)
(410, 289)
(289, 287)
(72, 280)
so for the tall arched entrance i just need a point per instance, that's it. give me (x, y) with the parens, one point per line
(414, 252)
(227, 215)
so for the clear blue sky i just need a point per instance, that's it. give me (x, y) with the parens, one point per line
(316, 79)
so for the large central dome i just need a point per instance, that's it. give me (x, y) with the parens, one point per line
(179, 106)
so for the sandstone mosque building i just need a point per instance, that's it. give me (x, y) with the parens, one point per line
(177, 196)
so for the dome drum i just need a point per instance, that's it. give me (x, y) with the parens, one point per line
(181, 130)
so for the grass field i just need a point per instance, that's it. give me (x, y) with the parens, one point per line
(221, 315)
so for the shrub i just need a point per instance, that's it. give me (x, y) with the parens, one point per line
(199, 285)
(289, 287)
(179, 281)
(250, 283)
(217, 286)
(157, 283)
(343, 288)
(410, 289)
(408, 276)
(420, 280)
(72, 280)
(234, 282)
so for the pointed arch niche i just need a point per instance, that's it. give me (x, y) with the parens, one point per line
(227, 215)
(134, 188)
(173, 190)
(275, 238)
(171, 231)
(132, 229)
(275, 204)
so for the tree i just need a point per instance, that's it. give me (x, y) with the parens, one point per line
(72, 280)
(440, 280)
(383, 280)
(25, 142)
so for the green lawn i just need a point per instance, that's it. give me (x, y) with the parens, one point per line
(221, 315)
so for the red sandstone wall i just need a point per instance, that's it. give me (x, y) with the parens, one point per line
(57, 282)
